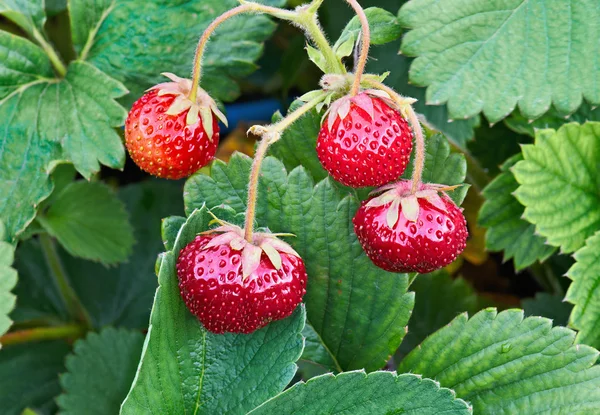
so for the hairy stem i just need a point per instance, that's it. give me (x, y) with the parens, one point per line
(69, 295)
(364, 47)
(68, 331)
(57, 63)
(311, 26)
(269, 135)
(420, 150)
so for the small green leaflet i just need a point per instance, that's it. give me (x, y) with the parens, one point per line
(90, 222)
(135, 40)
(438, 300)
(551, 306)
(8, 280)
(559, 184)
(383, 24)
(121, 295)
(502, 363)
(584, 292)
(492, 55)
(358, 310)
(502, 214)
(27, 14)
(316, 352)
(99, 372)
(552, 119)
(29, 376)
(357, 393)
(185, 369)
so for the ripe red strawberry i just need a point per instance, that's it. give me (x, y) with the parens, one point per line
(364, 141)
(170, 136)
(411, 233)
(234, 286)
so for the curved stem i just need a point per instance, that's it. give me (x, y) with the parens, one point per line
(68, 331)
(57, 63)
(313, 30)
(269, 135)
(67, 292)
(364, 48)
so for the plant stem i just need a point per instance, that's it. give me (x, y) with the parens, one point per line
(305, 17)
(364, 48)
(269, 135)
(59, 66)
(68, 331)
(69, 295)
(420, 150)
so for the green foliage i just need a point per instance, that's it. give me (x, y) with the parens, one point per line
(316, 352)
(100, 371)
(383, 24)
(136, 40)
(90, 222)
(490, 56)
(120, 295)
(552, 119)
(29, 376)
(8, 280)
(438, 300)
(584, 292)
(358, 310)
(507, 231)
(559, 184)
(360, 394)
(27, 14)
(502, 363)
(550, 306)
(185, 368)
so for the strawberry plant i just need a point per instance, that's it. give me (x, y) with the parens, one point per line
(411, 233)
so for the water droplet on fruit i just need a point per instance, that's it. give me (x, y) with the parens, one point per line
(429, 217)
(230, 275)
(347, 142)
(413, 228)
(358, 126)
(439, 234)
(222, 263)
(373, 145)
(439, 220)
(235, 259)
(402, 236)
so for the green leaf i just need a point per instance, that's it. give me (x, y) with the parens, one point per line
(27, 14)
(384, 58)
(8, 280)
(502, 363)
(490, 56)
(549, 306)
(29, 376)
(316, 352)
(358, 310)
(317, 57)
(120, 295)
(100, 371)
(584, 292)
(502, 214)
(552, 119)
(383, 24)
(185, 369)
(357, 393)
(438, 300)
(559, 184)
(86, 18)
(136, 41)
(169, 229)
(90, 222)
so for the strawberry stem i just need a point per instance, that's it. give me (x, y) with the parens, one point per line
(269, 134)
(67, 331)
(364, 47)
(57, 63)
(304, 16)
(420, 150)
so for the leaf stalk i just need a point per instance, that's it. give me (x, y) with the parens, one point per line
(68, 331)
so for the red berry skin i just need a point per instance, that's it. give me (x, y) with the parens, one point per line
(360, 152)
(163, 145)
(213, 288)
(430, 243)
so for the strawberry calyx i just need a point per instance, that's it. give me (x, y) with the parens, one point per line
(268, 243)
(400, 195)
(202, 108)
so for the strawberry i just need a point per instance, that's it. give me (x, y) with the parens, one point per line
(364, 141)
(170, 136)
(404, 232)
(233, 285)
